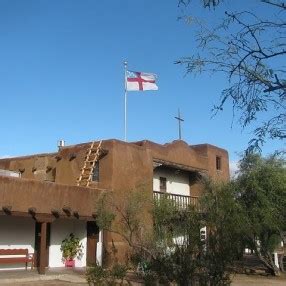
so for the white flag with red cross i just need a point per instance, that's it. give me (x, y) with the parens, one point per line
(141, 81)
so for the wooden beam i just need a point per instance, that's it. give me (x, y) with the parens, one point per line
(76, 214)
(32, 211)
(44, 217)
(58, 158)
(72, 156)
(173, 165)
(12, 213)
(47, 217)
(43, 249)
(55, 213)
(48, 169)
(67, 210)
(7, 210)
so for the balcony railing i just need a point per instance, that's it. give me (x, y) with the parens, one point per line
(180, 201)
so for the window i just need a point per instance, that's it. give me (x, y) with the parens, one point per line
(218, 163)
(163, 184)
(95, 174)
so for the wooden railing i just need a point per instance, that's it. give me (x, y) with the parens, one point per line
(180, 201)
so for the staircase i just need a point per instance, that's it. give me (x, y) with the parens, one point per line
(91, 158)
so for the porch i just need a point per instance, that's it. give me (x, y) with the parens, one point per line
(180, 184)
(24, 233)
(181, 202)
(38, 215)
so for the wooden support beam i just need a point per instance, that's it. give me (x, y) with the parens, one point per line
(14, 213)
(7, 210)
(48, 169)
(67, 210)
(55, 213)
(72, 156)
(32, 211)
(58, 158)
(43, 249)
(76, 214)
(44, 217)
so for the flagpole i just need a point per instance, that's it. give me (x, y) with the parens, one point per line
(125, 99)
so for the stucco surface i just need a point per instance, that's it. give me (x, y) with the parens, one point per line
(124, 165)
(49, 180)
(23, 194)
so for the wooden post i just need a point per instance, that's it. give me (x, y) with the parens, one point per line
(43, 248)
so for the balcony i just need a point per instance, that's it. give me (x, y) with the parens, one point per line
(180, 201)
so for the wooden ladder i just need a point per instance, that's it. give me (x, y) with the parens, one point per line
(91, 158)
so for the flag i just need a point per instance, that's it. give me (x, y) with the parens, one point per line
(140, 81)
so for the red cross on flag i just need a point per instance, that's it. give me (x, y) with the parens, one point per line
(140, 81)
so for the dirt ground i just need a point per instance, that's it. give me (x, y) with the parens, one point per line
(46, 283)
(251, 280)
(238, 280)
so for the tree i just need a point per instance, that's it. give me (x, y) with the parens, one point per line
(250, 50)
(195, 259)
(206, 3)
(128, 216)
(261, 193)
(165, 237)
(173, 249)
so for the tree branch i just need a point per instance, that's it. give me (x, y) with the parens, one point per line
(276, 4)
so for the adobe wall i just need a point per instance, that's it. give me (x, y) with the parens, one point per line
(126, 167)
(131, 169)
(178, 152)
(23, 194)
(37, 167)
(62, 167)
(211, 152)
(199, 157)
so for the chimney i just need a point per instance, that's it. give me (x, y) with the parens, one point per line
(61, 143)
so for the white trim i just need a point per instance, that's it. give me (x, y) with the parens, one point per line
(99, 248)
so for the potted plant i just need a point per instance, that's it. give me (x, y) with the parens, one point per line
(71, 248)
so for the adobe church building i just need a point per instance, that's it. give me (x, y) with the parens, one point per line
(45, 197)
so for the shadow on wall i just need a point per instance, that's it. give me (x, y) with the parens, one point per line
(16, 232)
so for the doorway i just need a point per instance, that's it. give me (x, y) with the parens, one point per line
(92, 239)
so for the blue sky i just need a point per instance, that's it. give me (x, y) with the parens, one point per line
(62, 76)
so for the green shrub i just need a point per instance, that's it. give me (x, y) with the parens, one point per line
(118, 271)
(96, 275)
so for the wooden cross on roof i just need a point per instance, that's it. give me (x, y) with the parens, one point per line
(180, 119)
